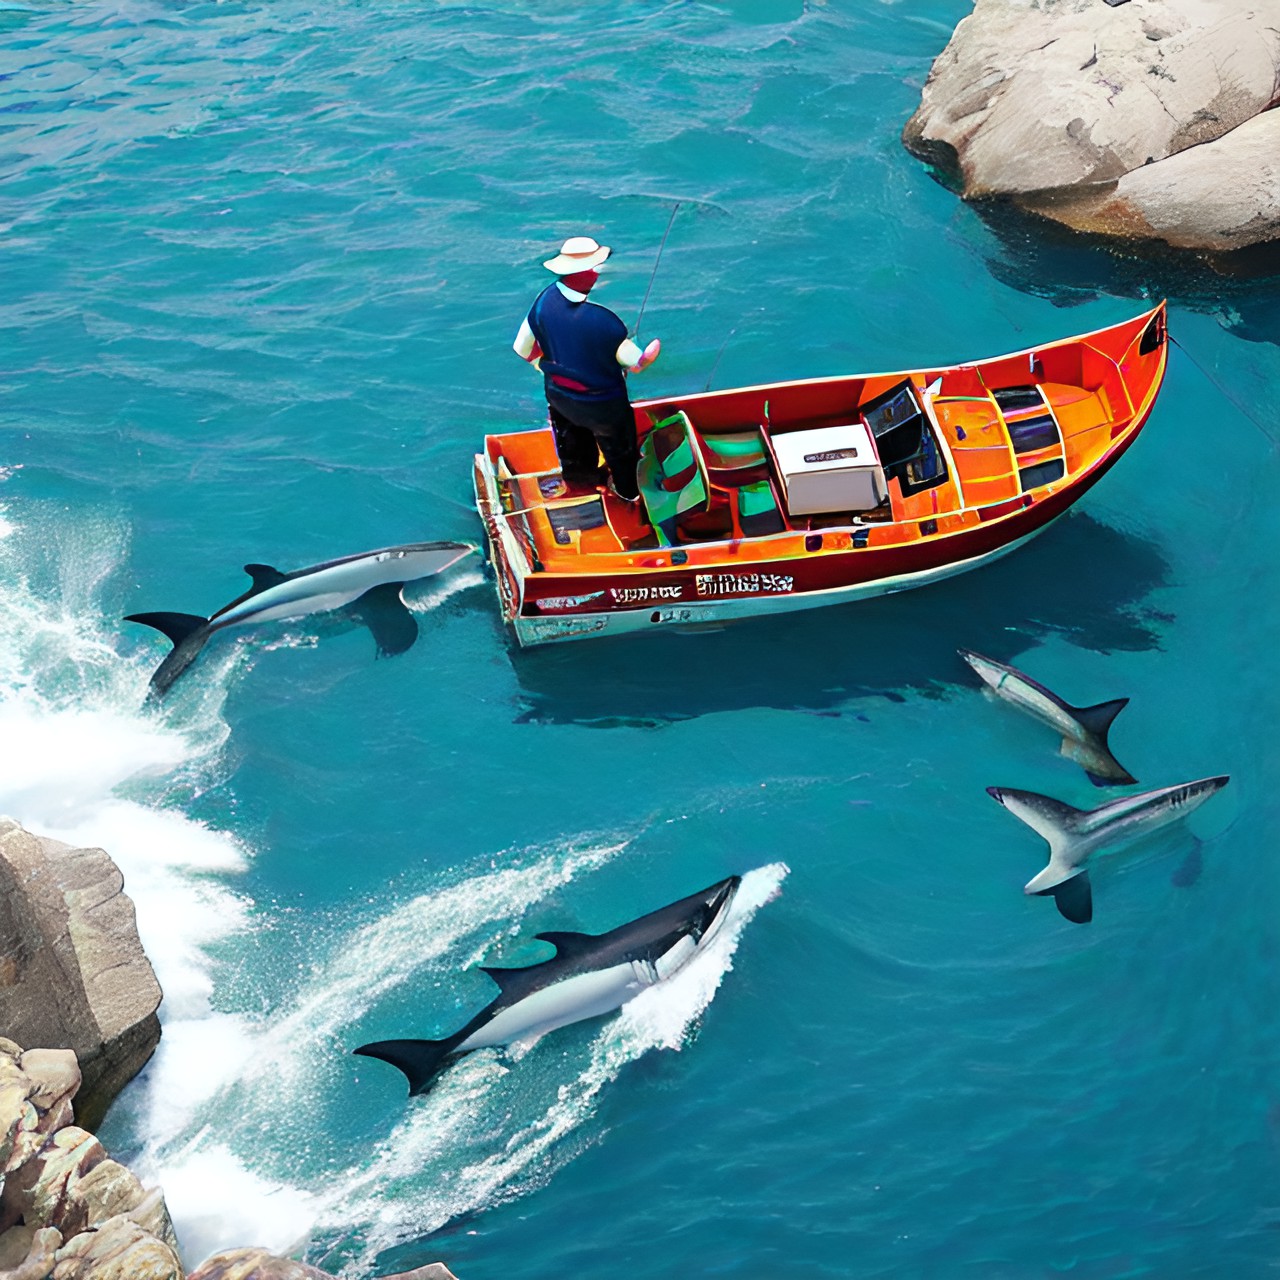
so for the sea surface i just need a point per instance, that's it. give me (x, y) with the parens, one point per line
(260, 269)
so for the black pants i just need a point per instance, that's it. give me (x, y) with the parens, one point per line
(581, 426)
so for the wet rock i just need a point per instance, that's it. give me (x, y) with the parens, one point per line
(72, 971)
(1144, 120)
(118, 1250)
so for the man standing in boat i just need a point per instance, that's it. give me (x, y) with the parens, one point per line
(584, 354)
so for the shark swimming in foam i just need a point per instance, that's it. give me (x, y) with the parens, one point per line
(1083, 729)
(368, 585)
(590, 975)
(1075, 835)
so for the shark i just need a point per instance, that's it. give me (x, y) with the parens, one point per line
(368, 585)
(1083, 729)
(590, 975)
(1076, 835)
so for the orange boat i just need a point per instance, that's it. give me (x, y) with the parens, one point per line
(791, 495)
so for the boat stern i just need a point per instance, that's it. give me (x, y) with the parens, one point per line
(508, 558)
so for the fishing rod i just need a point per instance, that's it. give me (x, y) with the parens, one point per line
(654, 272)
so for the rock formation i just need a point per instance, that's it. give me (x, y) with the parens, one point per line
(70, 1212)
(1147, 119)
(72, 971)
(67, 1210)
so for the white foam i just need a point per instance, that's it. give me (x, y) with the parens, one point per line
(74, 737)
(221, 1204)
(222, 1085)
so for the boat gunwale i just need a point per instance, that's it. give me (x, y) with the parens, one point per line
(606, 564)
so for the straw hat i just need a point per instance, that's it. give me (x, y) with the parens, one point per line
(578, 253)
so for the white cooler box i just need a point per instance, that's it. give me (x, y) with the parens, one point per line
(829, 469)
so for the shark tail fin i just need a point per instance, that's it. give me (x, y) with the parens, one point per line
(177, 626)
(1073, 898)
(1107, 771)
(420, 1060)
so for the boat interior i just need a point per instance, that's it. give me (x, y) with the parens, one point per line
(885, 459)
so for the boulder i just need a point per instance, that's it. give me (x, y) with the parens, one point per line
(118, 1250)
(58, 1185)
(1141, 120)
(27, 1253)
(72, 971)
(258, 1264)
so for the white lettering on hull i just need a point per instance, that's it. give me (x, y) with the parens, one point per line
(743, 584)
(645, 595)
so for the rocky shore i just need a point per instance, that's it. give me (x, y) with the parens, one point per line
(1141, 119)
(72, 970)
(73, 975)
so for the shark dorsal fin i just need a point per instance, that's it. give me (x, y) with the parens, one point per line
(264, 576)
(1097, 719)
(567, 944)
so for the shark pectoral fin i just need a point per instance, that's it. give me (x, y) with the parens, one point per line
(383, 611)
(420, 1060)
(264, 576)
(1074, 898)
(177, 626)
(1189, 869)
(568, 944)
(502, 976)
(1121, 778)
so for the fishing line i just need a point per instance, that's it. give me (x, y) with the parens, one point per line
(715, 364)
(656, 261)
(1226, 395)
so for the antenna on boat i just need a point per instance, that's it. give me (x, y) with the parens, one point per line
(654, 272)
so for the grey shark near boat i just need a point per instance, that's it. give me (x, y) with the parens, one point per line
(1076, 835)
(367, 584)
(1083, 729)
(590, 975)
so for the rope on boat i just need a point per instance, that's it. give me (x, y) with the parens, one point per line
(1226, 395)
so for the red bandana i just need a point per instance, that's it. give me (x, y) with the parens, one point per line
(580, 281)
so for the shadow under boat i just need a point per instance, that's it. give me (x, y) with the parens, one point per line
(1082, 580)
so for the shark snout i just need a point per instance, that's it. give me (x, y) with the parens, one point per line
(716, 898)
(996, 793)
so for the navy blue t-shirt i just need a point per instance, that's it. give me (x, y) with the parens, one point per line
(579, 342)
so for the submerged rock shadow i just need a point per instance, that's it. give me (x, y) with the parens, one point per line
(1082, 580)
(1038, 256)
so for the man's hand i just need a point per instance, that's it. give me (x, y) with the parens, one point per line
(648, 355)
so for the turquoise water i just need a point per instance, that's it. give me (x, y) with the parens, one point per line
(261, 268)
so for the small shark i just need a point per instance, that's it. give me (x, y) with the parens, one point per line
(369, 584)
(1083, 729)
(590, 975)
(1075, 835)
